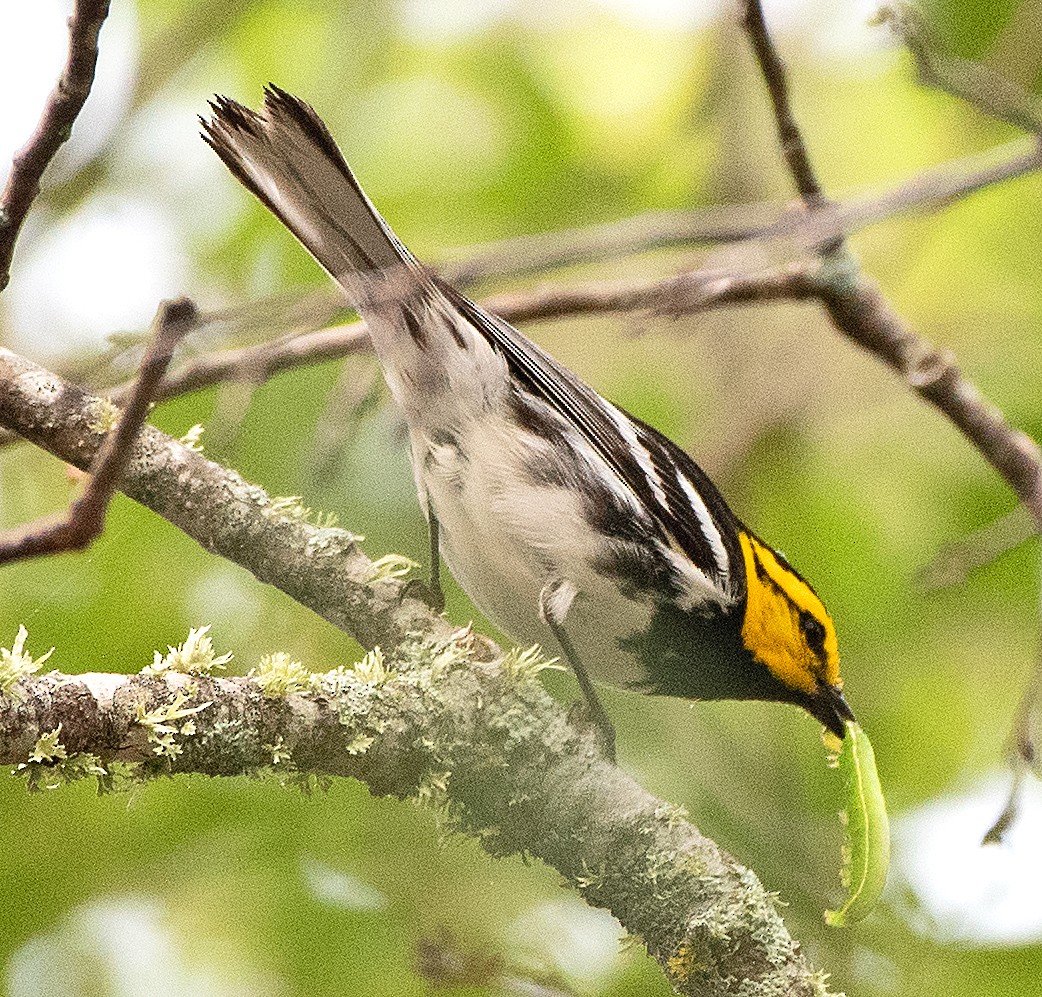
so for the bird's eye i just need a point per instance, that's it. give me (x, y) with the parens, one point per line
(814, 631)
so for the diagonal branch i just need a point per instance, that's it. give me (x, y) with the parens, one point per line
(858, 310)
(55, 126)
(84, 521)
(688, 293)
(320, 568)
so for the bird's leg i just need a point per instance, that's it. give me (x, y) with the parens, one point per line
(555, 600)
(430, 591)
(434, 582)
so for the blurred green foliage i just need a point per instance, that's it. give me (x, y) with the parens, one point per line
(535, 119)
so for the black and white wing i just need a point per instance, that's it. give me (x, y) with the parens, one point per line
(674, 490)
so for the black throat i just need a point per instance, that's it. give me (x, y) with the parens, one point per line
(700, 655)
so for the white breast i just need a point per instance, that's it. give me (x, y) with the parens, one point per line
(504, 538)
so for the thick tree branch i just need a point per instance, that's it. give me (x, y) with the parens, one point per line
(482, 737)
(55, 126)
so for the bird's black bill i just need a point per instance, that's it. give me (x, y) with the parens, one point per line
(829, 706)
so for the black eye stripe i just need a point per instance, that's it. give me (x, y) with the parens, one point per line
(813, 631)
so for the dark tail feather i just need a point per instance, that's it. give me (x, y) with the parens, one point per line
(285, 155)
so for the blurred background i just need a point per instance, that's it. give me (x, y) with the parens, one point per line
(470, 121)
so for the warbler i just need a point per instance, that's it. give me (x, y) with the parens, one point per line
(566, 520)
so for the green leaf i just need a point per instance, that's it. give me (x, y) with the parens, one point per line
(866, 845)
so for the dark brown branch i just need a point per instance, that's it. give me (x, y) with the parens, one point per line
(55, 126)
(793, 147)
(859, 311)
(84, 521)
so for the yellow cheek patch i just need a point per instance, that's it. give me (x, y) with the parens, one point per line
(771, 630)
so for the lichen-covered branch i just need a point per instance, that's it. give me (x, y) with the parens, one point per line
(482, 738)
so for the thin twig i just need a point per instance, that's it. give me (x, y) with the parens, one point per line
(84, 521)
(674, 296)
(526, 254)
(1022, 749)
(931, 190)
(957, 560)
(793, 147)
(687, 293)
(55, 126)
(803, 230)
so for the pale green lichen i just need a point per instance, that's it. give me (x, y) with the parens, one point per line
(280, 754)
(162, 729)
(194, 657)
(673, 815)
(292, 508)
(371, 670)
(524, 664)
(360, 744)
(433, 789)
(427, 660)
(49, 765)
(104, 416)
(278, 675)
(390, 566)
(48, 747)
(192, 440)
(589, 878)
(15, 664)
